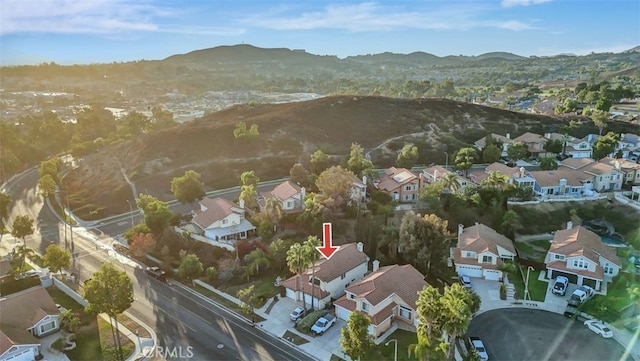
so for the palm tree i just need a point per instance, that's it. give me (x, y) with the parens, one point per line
(23, 252)
(312, 255)
(548, 163)
(496, 180)
(273, 209)
(248, 195)
(450, 182)
(456, 313)
(297, 261)
(255, 259)
(69, 321)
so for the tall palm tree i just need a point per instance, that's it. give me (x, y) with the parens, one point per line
(450, 182)
(273, 209)
(23, 252)
(256, 259)
(312, 256)
(496, 180)
(456, 313)
(297, 261)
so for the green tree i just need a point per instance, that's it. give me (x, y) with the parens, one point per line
(464, 159)
(212, 273)
(5, 201)
(408, 156)
(156, 212)
(554, 146)
(299, 175)
(603, 104)
(312, 256)
(497, 180)
(190, 267)
(319, 162)
(509, 223)
(548, 163)
(188, 188)
(605, 145)
(335, 185)
(423, 242)
(109, 291)
(241, 131)
(57, 258)
(22, 227)
(430, 344)
(278, 253)
(599, 118)
(249, 301)
(355, 340)
(50, 167)
(273, 209)
(298, 261)
(69, 321)
(357, 162)
(249, 178)
(23, 252)
(254, 260)
(46, 185)
(491, 153)
(456, 314)
(517, 151)
(450, 181)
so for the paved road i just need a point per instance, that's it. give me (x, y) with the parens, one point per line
(527, 334)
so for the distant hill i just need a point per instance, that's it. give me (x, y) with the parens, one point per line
(499, 55)
(633, 50)
(244, 53)
(288, 132)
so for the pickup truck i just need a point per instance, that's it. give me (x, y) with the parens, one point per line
(323, 324)
(582, 294)
(476, 344)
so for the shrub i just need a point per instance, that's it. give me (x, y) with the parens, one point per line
(304, 325)
(58, 344)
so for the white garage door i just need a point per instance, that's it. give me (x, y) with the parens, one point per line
(307, 301)
(464, 270)
(492, 275)
(291, 294)
(342, 313)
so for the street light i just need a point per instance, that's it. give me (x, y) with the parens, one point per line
(130, 212)
(526, 285)
(446, 162)
(395, 354)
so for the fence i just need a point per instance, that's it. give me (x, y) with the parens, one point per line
(67, 290)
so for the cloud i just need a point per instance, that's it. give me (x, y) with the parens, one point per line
(512, 3)
(95, 17)
(370, 16)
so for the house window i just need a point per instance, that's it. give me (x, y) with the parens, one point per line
(487, 259)
(343, 276)
(365, 306)
(315, 281)
(289, 204)
(47, 327)
(579, 263)
(407, 197)
(558, 256)
(608, 269)
(407, 188)
(405, 313)
(352, 296)
(468, 254)
(225, 221)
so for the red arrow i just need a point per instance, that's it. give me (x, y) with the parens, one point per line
(327, 248)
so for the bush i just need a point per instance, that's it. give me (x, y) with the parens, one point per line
(304, 325)
(58, 344)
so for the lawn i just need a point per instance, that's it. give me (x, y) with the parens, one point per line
(108, 343)
(223, 301)
(264, 289)
(537, 289)
(384, 353)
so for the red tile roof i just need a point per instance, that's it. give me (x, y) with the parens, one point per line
(216, 209)
(396, 177)
(384, 282)
(581, 241)
(480, 238)
(285, 190)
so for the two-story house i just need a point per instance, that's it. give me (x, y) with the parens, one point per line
(25, 316)
(400, 183)
(327, 278)
(518, 177)
(562, 183)
(434, 173)
(387, 295)
(481, 251)
(631, 170)
(288, 194)
(604, 177)
(359, 190)
(582, 257)
(573, 147)
(505, 140)
(534, 142)
(222, 220)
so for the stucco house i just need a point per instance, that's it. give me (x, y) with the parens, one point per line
(534, 142)
(562, 183)
(582, 257)
(289, 194)
(25, 316)
(631, 170)
(400, 183)
(434, 173)
(574, 147)
(604, 177)
(387, 295)
(481, 251)
(359, 190)
(222, 220)
(518, 177)
(327, 279)
(504, 139)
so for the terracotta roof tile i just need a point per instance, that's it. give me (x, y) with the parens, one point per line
(384, 282)
(581, 241)
(396, 177)
(216, 209)
(480, 238)
(285, 190)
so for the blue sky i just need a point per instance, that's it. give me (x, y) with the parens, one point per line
(102, 31)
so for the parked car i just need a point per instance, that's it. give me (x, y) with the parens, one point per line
(582, 294)
(476, 344)
(297, 313)
(323, 324)
(599, 328)
(156, 273)
(560, 286)
(465, 281)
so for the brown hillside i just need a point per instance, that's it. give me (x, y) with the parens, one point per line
(287, 131)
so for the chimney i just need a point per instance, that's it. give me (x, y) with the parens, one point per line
(435, 175)
(376, 265)
(460, 229)
(241, 203)
(508, 135)
(521, 172)
(547, 135)
(364, 180)
(569, 225)
(360, 247)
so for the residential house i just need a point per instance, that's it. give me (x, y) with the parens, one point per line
(25, 316)
(481, 251)
(605, 177)
(289, 195)
(400, 183)
(386, 295)
(220, 219)
(562, 183)
(359, 190)
(534, 142)
(631, 170)
(505, 140)
(519, 177)
(434, 173)
(582, 257)
(574, 147)
(327, 279)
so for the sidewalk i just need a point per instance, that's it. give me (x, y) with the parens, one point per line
(144, 346)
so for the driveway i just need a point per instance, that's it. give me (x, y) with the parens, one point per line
(529, 334)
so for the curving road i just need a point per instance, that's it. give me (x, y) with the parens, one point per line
(184, 321)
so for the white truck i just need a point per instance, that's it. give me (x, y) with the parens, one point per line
(582, 294)
(323, 324)
(476, 344)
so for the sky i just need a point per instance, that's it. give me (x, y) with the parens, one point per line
(104, 31)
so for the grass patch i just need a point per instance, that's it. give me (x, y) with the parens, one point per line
(264, 289)
(64, 300)
(542, 243)
(295, 339)
(133, 326)
(537, 288)
(225, 302)
(108, 343)
(384, 353)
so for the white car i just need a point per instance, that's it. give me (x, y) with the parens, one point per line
(465, 281)
(599, 328)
